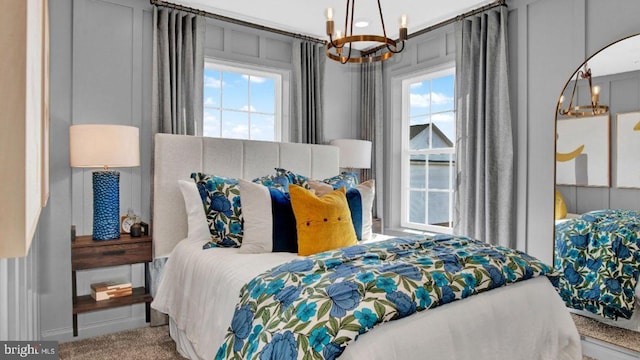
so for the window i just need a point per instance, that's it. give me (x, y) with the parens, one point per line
(428, 156)
(242, 103)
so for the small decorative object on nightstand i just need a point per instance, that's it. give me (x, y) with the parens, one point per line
(87, 253)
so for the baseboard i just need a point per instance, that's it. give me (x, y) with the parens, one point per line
(601, 350)
(94, 329)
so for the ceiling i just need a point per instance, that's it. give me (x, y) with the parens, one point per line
(620, 57)
(307, 17)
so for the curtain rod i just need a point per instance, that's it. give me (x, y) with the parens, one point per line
(444, 23)
(232, 20)
(310, 38)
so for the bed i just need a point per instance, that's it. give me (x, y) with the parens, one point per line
(598, 253)
(200, 288)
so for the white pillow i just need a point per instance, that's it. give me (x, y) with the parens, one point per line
(258, 220)
(367, 192)
(198, 229)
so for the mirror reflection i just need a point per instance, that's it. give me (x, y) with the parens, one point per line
(597, 207)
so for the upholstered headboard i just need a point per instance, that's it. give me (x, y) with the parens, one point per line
(177, 156)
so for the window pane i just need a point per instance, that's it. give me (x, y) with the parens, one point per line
(439, 208)
(236, 92)
(263, 94)
(212, 85)
(419, 99)
(439, 171)
(418, 172)
(211, 123)
(444, 127)
(419, 134)
(416, 207)
(235, 125)
(262, 127)
(430, 116)
(442, 96)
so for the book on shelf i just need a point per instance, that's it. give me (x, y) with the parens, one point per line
(110, 289)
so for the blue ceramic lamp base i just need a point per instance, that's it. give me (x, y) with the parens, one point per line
(106, 205)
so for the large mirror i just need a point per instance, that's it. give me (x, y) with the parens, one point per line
(597, 206)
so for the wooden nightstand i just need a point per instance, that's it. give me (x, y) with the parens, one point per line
(87, 253)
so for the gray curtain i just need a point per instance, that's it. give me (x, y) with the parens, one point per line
(308, 83)
(177, 86)
(484, 206)
(371, 126)
(178, 70)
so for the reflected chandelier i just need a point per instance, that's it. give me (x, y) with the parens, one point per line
(583, 110)
(335, 46)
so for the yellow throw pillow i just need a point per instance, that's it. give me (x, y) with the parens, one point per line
(322, 223)
(561, 207)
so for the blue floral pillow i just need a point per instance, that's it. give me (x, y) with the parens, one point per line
(221, 200)
(278, 182)
(294, 178)
(347, 179)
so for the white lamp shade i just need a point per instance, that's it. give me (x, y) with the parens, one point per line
(101, 146)
(354, 153)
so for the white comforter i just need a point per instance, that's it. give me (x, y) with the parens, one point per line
(526, 320)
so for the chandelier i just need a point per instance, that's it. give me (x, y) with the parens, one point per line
(335, 47)
(583, 110)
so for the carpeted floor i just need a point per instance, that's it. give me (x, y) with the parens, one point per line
(617, 336)
(155, 342)
(139, 344)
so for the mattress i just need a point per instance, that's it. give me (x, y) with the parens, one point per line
(526, 320)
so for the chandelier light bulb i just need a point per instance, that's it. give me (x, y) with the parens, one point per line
(329, 14)
(338, 34)
(596, 90)
(403, 21)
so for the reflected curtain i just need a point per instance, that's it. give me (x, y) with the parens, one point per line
(371, 126)
(484, 205)
(177, 92)
(308, 82)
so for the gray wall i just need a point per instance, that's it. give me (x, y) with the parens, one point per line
(100, 68)
(101, 73)
(549, 40)
(622, 93)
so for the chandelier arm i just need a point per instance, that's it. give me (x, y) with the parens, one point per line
(593, 105)
(384, 30)
(396, 50)
(334, 44)
(575, 85)
(346, 17)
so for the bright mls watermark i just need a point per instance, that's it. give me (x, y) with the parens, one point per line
(29, 350)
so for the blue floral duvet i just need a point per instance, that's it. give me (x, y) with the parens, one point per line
(599, 256)
(312, 308)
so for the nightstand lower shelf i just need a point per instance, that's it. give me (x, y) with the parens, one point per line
(86, 303)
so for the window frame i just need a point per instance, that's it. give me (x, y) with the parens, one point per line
(406, 153)
(281, 83)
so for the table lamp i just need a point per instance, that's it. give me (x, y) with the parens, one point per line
(354, 153)
(105, 146)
